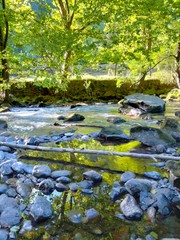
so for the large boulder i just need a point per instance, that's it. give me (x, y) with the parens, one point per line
(113, 134)
(41, 209)
(152, 136)
(144, 102)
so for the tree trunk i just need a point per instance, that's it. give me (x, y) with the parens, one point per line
(5, 77)
(4, 33)
(65, 67)
(178, 66)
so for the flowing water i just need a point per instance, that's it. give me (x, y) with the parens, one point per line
(69, 221)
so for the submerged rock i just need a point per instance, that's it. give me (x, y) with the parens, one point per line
(117, 192)
(153, 175)
(127, 176)
(3, 124)
(135, 186)
(24, 190)
(7, 202)
(93, 176)
(130, 208)
(41, 209)
(27, 226)
(3, 234)
(46, 186)
(10, 216)
(60, 173)
(91, 213)
(113, 134)
(115, 120)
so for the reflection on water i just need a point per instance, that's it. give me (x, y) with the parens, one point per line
(70, 220)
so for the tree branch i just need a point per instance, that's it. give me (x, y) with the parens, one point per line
(6, 24)
(63, 10)
(83, 151)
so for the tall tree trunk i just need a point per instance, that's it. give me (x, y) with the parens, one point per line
(4, 32)
(178, 65)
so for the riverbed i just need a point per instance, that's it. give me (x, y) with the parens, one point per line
(35, 121)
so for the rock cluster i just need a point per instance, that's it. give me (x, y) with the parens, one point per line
(152, 195)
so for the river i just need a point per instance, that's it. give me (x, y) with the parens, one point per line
(35, 121)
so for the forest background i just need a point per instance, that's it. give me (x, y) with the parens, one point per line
(55, 41)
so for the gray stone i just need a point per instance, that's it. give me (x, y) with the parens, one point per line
(151, 136)
(148, 103)
(91, 213)
(3, 188)
(87, 191)
(177, 113)
(163, 204)
(2, 155)
(6, 169)
(130, 208)
(153, 175)
(3, 234)
(18, 167)
(7, 202)
(146, 200)
(135, 186)
(113, 134)
(93, 176)
(117, 192)
(41, 171)
(115, 120)
(60, 187)
(24, 190)
(28, 168)
(63, 180)
(74, 117)
(127, 176)
(60, 173)
(10, 217)
(41, 209)
(151, 213)
(85, 184)
(11, 192)
(46, 186)
(3, 124)
(27, 226)
(73, 187)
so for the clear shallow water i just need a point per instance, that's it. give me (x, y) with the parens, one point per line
(39, 121)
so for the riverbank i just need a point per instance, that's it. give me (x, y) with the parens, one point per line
(84, 91)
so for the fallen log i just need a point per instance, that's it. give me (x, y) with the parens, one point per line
(86, 151)
(77, 125)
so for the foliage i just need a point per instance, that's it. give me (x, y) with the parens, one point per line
(53, 40)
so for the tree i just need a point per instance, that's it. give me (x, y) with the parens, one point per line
(4, 34)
